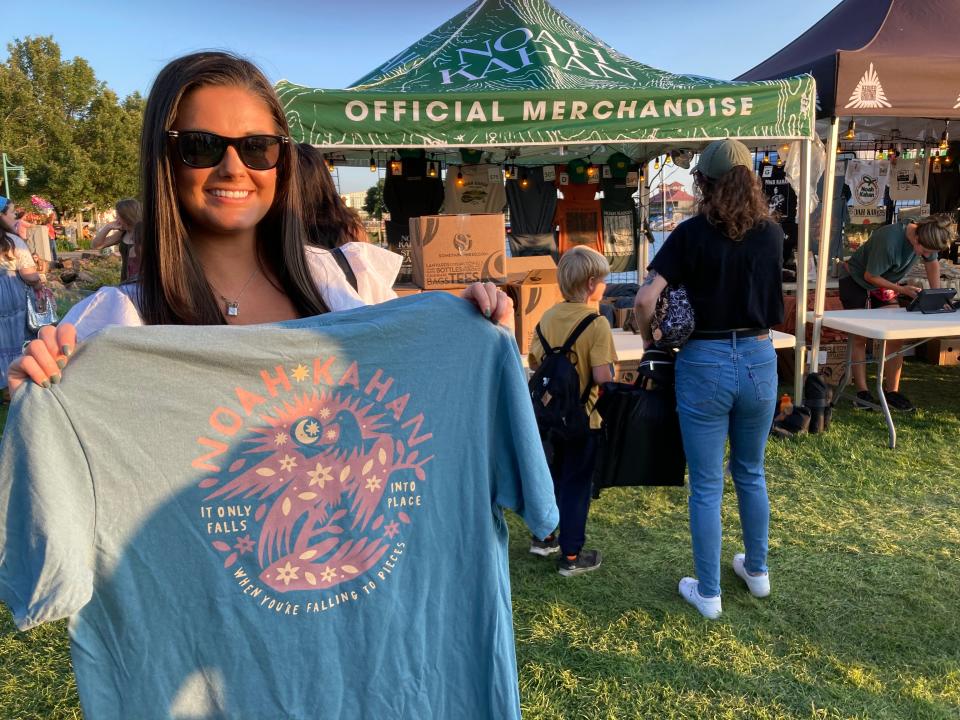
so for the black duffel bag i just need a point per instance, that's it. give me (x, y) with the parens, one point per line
(641, 429)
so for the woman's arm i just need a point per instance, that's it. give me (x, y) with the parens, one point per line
(101, 239)
(881, 282)
(933, 272)
(646, 302)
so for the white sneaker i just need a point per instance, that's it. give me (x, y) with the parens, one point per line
(690, 591)
(759, 585)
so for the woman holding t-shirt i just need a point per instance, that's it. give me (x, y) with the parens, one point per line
(729, 258)
(222, 234)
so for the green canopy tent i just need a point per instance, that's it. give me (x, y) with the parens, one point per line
(518, 74)
(523, 82)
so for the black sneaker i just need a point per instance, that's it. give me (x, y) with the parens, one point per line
(586, 561)
(544, 548)
(898, 402)
(865, 401)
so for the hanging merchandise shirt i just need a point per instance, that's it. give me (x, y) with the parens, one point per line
(412, 193)
(619, 224)
(408, 194)
(868, 181)
(275, 521)
(781, 198)
(531, 213)
(907, 180)
(482, 190)
(578, 216)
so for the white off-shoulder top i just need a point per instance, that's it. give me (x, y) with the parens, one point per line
(375, 268)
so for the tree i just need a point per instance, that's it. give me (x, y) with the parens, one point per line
(77, 141)
(373, 204)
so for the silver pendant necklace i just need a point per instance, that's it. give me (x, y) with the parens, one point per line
(233, 306)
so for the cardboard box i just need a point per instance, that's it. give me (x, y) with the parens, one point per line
(623, 317)
(942, 351)
(456, 250)
(532, 285)
(627, 371)
(832, 361)
(404, 289)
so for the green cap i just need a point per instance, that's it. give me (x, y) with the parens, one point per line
(721, 156)
(577, 170)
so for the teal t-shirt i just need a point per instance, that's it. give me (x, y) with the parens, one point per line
(301, 520)
(887, 254)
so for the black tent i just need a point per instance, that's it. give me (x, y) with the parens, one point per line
(892, 58)
(893, 66)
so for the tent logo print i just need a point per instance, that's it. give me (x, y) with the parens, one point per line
(869, 92)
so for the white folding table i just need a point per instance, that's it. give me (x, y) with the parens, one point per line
(630, 346)
(884, 326)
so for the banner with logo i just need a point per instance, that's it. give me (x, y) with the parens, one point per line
(506, 73)
(907, 180)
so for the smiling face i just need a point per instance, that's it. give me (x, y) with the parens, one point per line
(228, 199)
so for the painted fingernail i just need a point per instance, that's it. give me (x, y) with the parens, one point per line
(67, 350)
(55, 378)
(45, 384)
(61, 363)
(487, 312)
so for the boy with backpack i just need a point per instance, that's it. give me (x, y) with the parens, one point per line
(572, 353)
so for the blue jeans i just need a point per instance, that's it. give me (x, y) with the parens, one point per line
(726, 388)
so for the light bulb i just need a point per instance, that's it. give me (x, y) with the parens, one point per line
(656, 164)
(851, 132)
(766, 158)
(373, 163)
(459, 179)
(507, 174)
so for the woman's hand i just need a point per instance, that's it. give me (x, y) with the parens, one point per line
(494, 303)
(43, 358)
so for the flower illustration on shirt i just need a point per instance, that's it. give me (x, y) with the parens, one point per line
(330, 502)
(287, 573)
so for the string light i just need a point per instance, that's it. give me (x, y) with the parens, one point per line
(947, 160)
(373, 163)
(851, 133)
(668, 160)
(656, 164)
(396, 167)
(766, 158)
(591, 170)
(507, 172)
(330, 165)
(432, 169)
(459, 178)
(945, 138)
(524, 181)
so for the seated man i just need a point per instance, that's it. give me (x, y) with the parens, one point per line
(869, 279)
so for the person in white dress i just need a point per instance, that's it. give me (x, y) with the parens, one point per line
(222, 233)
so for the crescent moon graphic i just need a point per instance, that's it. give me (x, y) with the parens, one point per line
(301, 434)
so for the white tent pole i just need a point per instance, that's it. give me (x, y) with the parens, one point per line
(643, 254)
(803, 253)
(826, 231)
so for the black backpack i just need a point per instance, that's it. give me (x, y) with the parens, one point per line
(558, 403)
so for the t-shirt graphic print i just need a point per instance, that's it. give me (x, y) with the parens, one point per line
(277, 521)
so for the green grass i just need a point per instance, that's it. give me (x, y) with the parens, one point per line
(863, 622)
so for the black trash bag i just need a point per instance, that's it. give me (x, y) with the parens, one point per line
(818, 398)
(641, 444)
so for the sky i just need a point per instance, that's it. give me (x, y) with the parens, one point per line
(331, 44)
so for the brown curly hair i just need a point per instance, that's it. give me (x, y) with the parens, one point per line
(734, 203)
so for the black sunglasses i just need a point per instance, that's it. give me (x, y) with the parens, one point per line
(206, 150)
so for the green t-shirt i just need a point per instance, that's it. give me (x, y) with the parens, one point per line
(887, 254)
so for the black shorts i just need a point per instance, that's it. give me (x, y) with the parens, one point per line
(854, 297)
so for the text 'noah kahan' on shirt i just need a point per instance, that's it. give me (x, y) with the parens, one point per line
(300, 520)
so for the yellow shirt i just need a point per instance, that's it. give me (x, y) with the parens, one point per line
(593, 348)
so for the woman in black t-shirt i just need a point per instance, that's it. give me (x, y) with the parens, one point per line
(729, 259)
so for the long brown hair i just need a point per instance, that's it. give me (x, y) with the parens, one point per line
(173, 287)
(327, 219)
(7, 246)
(734, 203)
